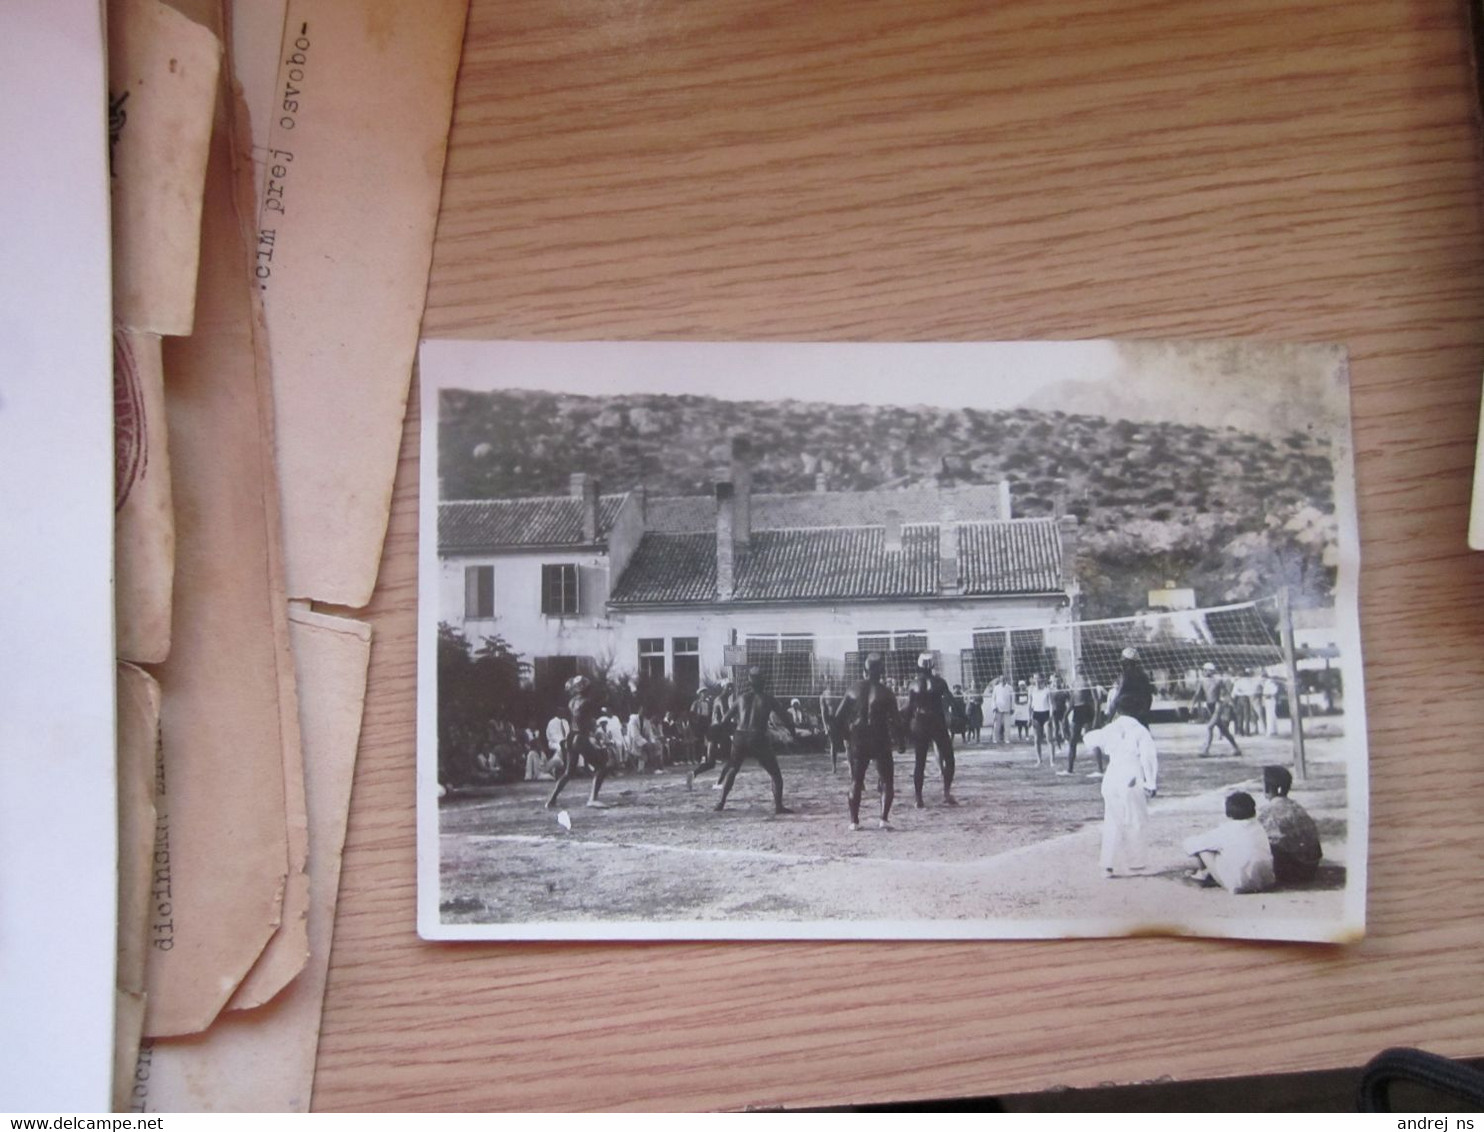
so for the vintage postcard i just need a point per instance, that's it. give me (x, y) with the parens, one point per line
(783, 640)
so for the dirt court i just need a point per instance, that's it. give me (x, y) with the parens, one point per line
(1020, 848)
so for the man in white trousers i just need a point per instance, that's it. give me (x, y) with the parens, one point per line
(1130, 781)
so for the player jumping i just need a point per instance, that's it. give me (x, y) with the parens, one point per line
(583, 706)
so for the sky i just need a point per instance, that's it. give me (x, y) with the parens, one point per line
(993, 375)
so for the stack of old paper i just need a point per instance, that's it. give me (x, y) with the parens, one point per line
(263, 353)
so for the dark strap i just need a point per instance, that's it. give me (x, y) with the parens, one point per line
(1419, 1068)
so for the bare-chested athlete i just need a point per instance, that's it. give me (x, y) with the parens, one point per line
(928, 706)
(750, 713)
(583, 706)
(868, 717)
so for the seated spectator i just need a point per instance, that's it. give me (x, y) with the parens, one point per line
(1235, 854)
(538, 763)
(1292, 834)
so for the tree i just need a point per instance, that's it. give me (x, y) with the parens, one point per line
(481, 702)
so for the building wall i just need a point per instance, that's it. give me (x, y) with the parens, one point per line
(517, 592)
(949, 627)
(599, 634)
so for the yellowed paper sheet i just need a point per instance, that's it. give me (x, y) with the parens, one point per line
(162, 91)
(229, 704)
(144, 520)
(138, 744)
(350, 129)
(128, 1022)
(288, 950)
(263, 1060)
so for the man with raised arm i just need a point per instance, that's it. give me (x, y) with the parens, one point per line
(1133, 695)
(868, 717)
(750, 712)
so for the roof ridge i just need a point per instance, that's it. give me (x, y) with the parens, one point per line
(537, 498)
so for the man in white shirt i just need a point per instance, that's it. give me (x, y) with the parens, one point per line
(1004, 710)
(557, 732)
(1270, 693)
(1236, 854)
(1132, 778)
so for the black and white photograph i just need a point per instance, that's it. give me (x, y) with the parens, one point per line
(906, 640)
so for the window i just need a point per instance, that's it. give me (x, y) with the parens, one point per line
(559, 590)
(687, 654)
(786, 660)
(899, 649)
(1030, 655)
(551, 673)
(479, 592)
(988, 658)
(652, 658)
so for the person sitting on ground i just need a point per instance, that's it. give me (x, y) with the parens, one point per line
(1292, 834)
(1236, 854)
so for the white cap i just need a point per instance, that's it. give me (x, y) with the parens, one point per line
(1130, 654)
(925, 660)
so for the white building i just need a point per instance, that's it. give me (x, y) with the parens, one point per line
(801, 584)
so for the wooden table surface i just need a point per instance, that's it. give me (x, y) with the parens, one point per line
(752, 169)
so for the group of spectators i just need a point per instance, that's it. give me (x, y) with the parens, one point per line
(1256, 849)
(642, 742)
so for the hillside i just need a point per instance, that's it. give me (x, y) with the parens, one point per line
(1233, 514)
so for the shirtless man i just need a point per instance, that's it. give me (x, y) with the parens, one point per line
(749, 713)
(1215, 694)
(1041, 717)
(583, 707)
(929, 707)
(868, 716)
(1081, 715)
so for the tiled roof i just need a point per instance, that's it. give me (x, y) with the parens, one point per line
(1019, 556)
(696, 513)
(502, 524)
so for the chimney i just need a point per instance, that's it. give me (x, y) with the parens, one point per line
(893, 532)
(726, 540)
(948, 551)
(821, 482)
(945, 475)
(1068, 536)
(1005, 500)
(585, 488)
(742, 482)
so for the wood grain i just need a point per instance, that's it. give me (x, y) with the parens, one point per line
(932, 170)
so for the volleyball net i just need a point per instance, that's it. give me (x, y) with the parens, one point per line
(1172, 646)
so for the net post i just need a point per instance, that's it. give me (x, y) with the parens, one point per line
(1295, 701)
